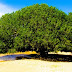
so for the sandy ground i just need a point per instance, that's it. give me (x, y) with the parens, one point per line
(30, 65)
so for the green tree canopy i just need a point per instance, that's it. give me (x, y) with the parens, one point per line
(36, 27)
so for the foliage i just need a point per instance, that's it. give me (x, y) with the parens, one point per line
(37, 27)
(11, 50)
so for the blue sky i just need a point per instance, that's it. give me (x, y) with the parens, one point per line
(8, 6)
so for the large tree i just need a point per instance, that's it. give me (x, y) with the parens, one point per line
(37, 27)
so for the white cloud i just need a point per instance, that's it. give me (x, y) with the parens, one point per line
(1, 14)
(5, 9)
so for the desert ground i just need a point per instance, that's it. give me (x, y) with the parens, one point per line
(31, 65)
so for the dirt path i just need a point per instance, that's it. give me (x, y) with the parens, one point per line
(30, 65)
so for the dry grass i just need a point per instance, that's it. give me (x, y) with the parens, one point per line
(33, 52)
(62, 53)
(26, 52)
